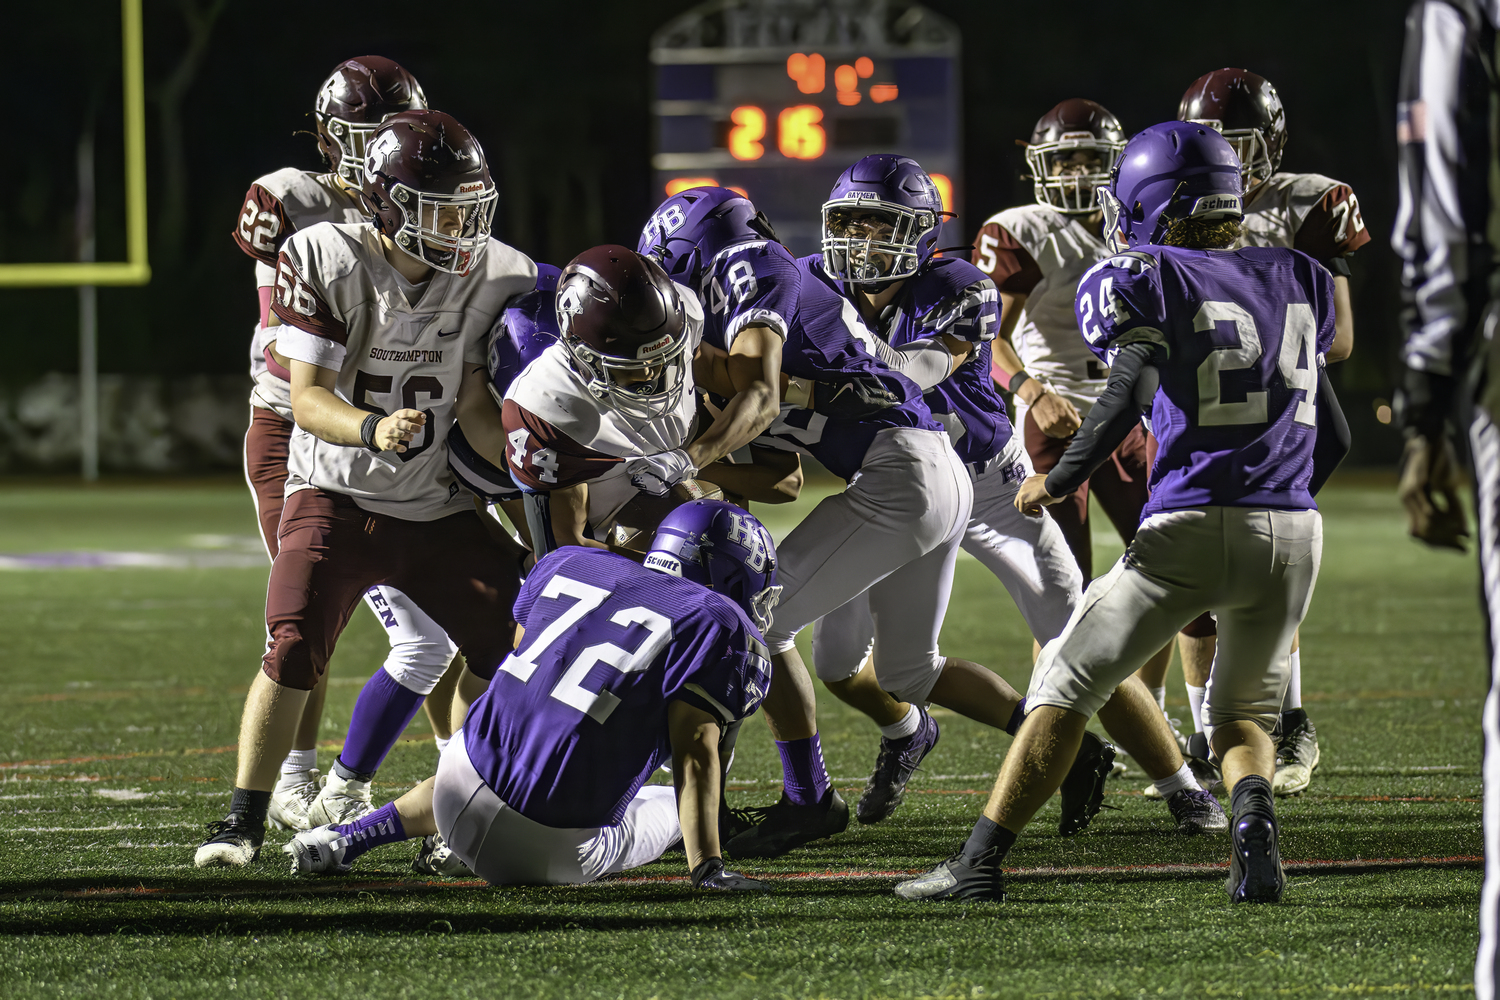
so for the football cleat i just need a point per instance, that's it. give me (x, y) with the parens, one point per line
(1196, 811)
(290, 802)
(733, 822)
(894, 766)
(1296, 754)
(785, 827)
(1083, 789)
(1255, 873)
(319, 851)
(341, 801)
(954, 879)
(233, 842)
(436, 858)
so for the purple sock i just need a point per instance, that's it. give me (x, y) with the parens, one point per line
(383, 826)
(1016, 718)
(804, 778)
(380, 716)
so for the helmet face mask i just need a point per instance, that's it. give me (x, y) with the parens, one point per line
(1244, 108)
(873, 243)
(1065, 174)
(446, 247)
(349, 138)
(643, 389)
(1250, 145)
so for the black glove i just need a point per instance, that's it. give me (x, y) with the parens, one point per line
(859, 397)
(1423, 402)
(712, 874)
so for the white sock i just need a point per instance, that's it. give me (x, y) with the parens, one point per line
(1160, 694)
(1293, 697)
(904, 728)
(442, 743)
(299, 762)
(1195, 705)
(1175, 783)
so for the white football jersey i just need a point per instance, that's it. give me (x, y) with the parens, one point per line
(276, 206)
(1278, 208)
(345, 307)
(559, 435)
(1047, 336)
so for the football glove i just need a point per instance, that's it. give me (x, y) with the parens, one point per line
(656, 474)
(859, 397)
(711, 874)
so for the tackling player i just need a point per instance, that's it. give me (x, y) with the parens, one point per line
(622, 668)
(350, 104)
(1319, 216)
(1230, 527)
(384, 327)
(934, 318)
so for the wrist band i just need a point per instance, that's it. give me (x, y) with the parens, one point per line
(1017, 380)
(367, 431)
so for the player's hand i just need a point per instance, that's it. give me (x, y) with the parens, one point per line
(393, 432)
(711, 874)
(1429, 490)
(656, 474)
(1056, 417)
(854, 399)
(1033, 496)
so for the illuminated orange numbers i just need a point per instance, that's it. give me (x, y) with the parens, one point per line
(846, 79)
(945, 188)
(882, 92)
(865, 67)
(749, 128)
(807, 70)
(798, 134)
(678, 184)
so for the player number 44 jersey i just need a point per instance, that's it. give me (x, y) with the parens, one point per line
(1238, 335)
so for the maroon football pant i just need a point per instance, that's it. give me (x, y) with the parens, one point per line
(266, 447)
(332, 551)
(1119, 485)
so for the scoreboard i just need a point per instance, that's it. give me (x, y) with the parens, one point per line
(775, 98)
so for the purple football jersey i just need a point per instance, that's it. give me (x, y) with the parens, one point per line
(953, 297)
(527, 326)
(762, 283)
(1238, 335)
(575, 720)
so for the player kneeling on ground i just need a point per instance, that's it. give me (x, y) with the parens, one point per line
(621, 667)
(1230, 526)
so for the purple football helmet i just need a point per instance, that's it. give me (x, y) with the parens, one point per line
(723, 547)
(690, 228)
(1171, 171)
(881, 221)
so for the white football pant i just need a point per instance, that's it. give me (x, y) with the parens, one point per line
(1484, 441)
(420, 650)
(505, 848)
(892, 538)
(1255, 569)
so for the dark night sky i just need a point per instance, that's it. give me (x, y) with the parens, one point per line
(559, 96)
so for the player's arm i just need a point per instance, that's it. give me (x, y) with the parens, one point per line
(322, 414)
(751, 370)
(695, 772)
(1133, 381)
(770, 477)
(1343, 321)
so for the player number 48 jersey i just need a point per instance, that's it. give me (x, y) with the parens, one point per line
(1238, 334)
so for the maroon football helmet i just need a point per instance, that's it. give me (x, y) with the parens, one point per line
(1072, 150)
(1247, 110)
(351, 103)
(428, 187)
(627, 329)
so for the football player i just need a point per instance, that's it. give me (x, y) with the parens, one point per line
(1036, 255)
(383, 331)
(622, 667)
(1230, 526)
(1319, 216)
(879, 228)
(350, 104)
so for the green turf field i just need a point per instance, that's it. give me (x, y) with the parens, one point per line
(125, 687)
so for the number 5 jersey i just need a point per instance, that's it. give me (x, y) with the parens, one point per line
(395, 345)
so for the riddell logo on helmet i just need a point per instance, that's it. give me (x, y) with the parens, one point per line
(1075, 136)
(470, 188)
(654, 348)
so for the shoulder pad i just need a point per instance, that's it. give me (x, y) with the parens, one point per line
(288, 181)
(1134, 261)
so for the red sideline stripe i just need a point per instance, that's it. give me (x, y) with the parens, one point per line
(1310, 867)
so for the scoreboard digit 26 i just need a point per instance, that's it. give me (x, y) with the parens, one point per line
(776, 97)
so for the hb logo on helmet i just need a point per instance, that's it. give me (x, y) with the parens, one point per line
(744, 533)
(664, 224)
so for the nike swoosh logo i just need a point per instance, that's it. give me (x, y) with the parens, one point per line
(450, 333)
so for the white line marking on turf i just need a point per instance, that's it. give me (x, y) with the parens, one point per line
(122, 794)
(99, 829)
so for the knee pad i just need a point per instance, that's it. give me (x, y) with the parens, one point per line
(418, 666)
(833, 664)
(289, 660)
(911, 682)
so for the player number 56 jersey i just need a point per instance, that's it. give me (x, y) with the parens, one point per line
(1237, 334)
(346, 308)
